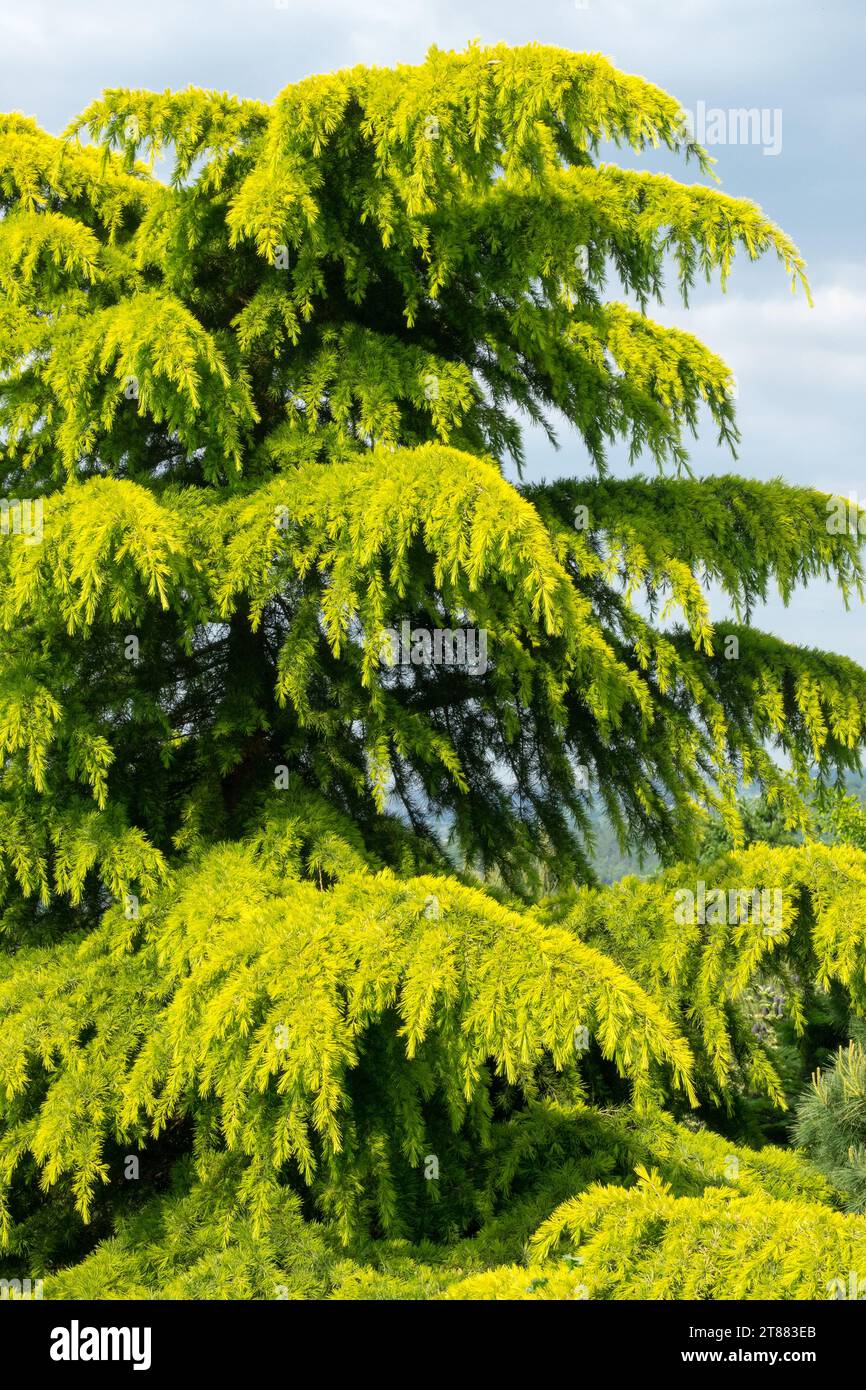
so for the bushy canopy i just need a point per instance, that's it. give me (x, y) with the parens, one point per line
(285, 925)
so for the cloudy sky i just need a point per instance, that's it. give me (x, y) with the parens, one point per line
(801, 372)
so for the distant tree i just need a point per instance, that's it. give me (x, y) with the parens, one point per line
(760, 822)
(842, 817)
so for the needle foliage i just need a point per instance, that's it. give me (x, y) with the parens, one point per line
(306, 985)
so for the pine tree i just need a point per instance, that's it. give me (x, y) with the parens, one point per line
(831, 1123)
(303, 704)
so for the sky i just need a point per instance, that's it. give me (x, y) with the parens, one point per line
(801, 372)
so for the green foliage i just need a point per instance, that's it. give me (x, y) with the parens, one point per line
(842, 816)
(646, 1243)
(338, 1032)
(250, 374)
(762, 823)
(203, 1244)
(291, 1020)
(711, 968)
(831, 1123)
(270, 904)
